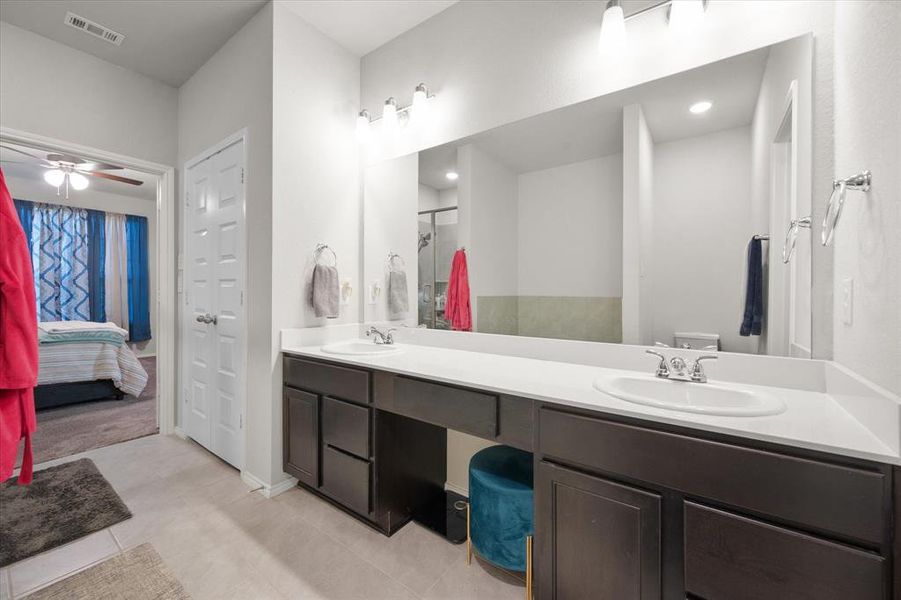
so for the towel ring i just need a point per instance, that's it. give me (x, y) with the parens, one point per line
(394, 256)
(791, 236)
(836, 202)
(320, 248)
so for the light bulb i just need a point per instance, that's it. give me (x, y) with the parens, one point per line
(363, 125)
(685, 15)
(420, 103)
(389, 115)
(452, 175)
(613, 28)
(54, 177)
(78, 181)
(700, 107)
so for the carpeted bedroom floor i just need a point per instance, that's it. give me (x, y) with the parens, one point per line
(72, 429)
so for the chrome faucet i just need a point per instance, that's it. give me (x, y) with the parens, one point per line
(679, 370)
(380, 337)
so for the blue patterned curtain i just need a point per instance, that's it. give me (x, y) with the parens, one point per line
(138, 278)
(60, 255)
(96, 258)
(25, 210)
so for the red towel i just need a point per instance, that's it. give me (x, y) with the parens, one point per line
(18, 341)
(458, 310)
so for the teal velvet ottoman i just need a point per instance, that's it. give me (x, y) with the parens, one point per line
(501, 502)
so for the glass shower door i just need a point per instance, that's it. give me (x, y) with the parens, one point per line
(437, 245)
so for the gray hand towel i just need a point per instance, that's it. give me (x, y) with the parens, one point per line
(325, 291)
(398, 301)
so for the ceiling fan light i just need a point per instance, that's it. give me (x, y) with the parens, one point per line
(54, 177)
(78, 181)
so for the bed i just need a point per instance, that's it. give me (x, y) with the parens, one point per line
(82, 361)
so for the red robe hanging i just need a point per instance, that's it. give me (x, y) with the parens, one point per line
(18, 341)
(458, 310)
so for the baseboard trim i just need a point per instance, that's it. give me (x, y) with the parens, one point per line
(179, 432)
(450, 487)
(268, 491)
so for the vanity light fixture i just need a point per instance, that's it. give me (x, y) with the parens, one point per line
(682, 15)
(393, 115)
(389, 114)
(685, 15)
(363, 125)
(613, 28)
(452, 175)
(700, 107)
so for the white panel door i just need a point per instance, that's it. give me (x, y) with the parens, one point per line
(215, 207)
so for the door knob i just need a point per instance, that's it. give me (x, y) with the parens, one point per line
(207, 318)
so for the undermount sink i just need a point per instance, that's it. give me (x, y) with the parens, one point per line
(703, 398)
(360, 348)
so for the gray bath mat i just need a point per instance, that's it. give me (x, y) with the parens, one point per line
(62, 504)
(137, 574)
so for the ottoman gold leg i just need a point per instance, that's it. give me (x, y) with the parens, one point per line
(468, 538)
(529, 567)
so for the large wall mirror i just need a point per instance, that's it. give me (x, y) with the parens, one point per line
(675, 212)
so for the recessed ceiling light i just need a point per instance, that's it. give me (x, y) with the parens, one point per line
(700, 107)
(452, 175)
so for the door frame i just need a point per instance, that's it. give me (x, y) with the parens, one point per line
(165, 257)
(184, 315)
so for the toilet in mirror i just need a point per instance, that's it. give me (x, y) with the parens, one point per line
(676, 213)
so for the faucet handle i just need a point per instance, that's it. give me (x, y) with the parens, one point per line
(697, 371)
(662, 369)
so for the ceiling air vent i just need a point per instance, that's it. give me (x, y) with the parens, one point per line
(95, 29)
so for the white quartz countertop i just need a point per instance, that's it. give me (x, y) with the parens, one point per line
(813, 420)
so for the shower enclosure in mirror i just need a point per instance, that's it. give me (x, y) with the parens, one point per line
(437, 244)
(676, 212)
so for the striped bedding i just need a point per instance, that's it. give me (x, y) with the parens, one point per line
(91, 361)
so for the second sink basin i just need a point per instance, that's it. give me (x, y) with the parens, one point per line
(703, 398)
(360, 348)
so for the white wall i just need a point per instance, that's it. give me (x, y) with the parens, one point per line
(315, 185)
(701, 228)
(231, 91)
(868, 237)
(570, 229)
(392, 196)
(492, 237)
(59, 92)
(638, 228)
(38, 191)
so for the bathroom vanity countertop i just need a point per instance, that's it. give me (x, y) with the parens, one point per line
(812, 420)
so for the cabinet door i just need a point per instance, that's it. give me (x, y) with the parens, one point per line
(595, 538)
(301, 435)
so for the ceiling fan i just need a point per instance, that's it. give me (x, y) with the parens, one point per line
(72, 170)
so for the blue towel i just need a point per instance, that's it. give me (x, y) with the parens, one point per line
(752, 322)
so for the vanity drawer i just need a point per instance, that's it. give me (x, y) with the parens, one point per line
(728, 557)
(451, 407)
(835, 498)
(331, 380)
(346, 426)
(346, 479)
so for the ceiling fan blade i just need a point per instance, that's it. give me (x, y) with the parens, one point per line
(67, 158)
(97, 166)
(118, 178)
(34, 156)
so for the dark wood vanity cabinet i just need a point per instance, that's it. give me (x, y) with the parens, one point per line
(301, 435)
(701, 518)
(600, 539)
(624, 509)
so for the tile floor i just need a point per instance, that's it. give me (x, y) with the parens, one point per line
(223, 541)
